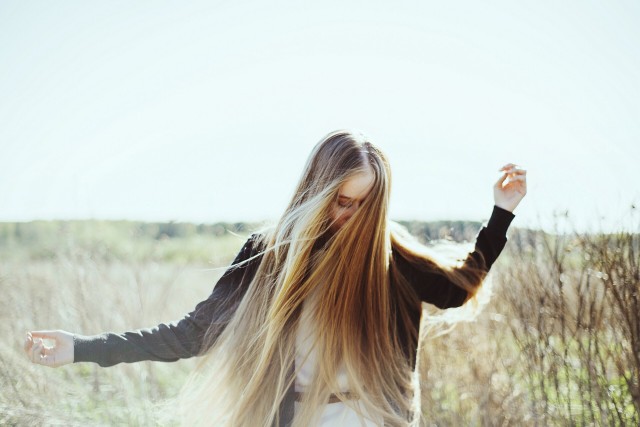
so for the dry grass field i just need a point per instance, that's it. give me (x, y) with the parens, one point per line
(558, 343)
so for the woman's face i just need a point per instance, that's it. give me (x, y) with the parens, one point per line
(351, 195)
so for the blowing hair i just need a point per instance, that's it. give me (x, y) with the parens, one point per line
(356, 313)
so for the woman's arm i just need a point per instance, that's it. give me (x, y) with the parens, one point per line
(435, 288)
(165, 342)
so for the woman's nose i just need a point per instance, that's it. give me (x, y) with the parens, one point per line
(352, 209)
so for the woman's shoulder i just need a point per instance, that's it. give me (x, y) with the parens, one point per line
(254, 245)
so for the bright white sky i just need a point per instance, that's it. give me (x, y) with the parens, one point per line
(206, 110)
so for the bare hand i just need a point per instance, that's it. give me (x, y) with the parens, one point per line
(58, 354)
(507, 195)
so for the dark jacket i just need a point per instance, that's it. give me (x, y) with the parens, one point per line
(183, 338)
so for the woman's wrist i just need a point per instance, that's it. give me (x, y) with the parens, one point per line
(505, 206)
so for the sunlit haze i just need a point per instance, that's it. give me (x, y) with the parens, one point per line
(206, 111)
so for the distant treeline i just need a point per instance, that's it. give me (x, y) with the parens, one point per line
(37, 231)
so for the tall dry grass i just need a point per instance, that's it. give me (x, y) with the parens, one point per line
(577, 326)
(558, 344)
(85, 288)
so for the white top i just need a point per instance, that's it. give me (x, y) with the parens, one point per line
(335, 414)
(304, 342)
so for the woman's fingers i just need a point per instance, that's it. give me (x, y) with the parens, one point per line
(40, 353)
(507, 166)
(513, 173)
(515, 182)
(48, 356)
(501, 180)
(512, 169)
(49, 348)
(34, 346)
(36, 350)
(28, 342)
(52, 335)
(513, 178)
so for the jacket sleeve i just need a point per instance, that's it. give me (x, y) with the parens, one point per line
(435, 288)
(179, 339)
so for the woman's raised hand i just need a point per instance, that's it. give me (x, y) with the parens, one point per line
(58, 354)
(507, 195)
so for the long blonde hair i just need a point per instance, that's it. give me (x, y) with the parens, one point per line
(358, 315)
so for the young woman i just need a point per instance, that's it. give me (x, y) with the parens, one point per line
(316, 321)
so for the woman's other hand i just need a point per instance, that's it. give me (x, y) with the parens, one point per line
(507, 195)
(38, 348)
